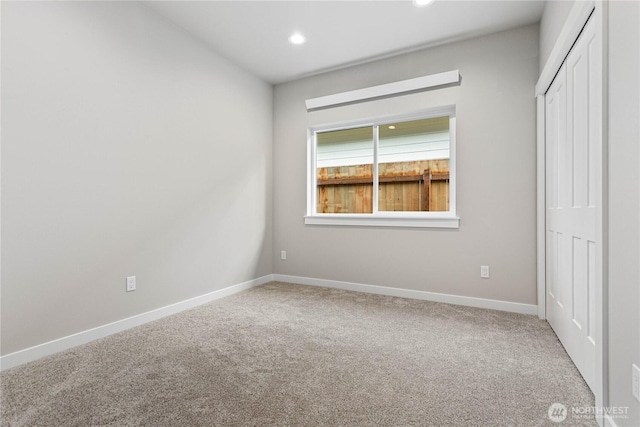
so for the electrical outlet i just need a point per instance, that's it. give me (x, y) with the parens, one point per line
(635, 381)
(131, 283)
(283, 255)
(484, 271)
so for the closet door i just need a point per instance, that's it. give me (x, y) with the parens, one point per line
(574, 188)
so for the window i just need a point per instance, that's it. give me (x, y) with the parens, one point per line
(392, 171)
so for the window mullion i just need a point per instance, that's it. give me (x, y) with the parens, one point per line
(376, 184)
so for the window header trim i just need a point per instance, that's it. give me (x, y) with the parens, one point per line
(384, 90)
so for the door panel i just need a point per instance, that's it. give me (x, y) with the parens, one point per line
(573, 180)
(555, 148)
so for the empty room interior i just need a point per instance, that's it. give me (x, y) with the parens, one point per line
(306, 213)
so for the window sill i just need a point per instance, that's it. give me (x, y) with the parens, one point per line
(444, 220)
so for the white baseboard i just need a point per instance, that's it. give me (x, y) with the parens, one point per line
(65, 343)
(513, 307)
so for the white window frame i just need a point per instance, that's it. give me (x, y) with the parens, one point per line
(448, 219)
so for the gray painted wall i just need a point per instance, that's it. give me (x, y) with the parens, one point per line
(126, 150)
(624, 204)
(554, 15)
(496, 175)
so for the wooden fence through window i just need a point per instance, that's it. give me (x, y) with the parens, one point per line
(404, 186)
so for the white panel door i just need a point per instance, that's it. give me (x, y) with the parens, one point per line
(574, 186)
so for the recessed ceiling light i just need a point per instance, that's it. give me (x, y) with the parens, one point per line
(392, 127)
(297, 38)
(422, 3)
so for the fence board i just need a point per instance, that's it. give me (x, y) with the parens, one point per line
(348, 189)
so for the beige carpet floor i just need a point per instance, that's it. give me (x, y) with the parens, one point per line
(291, 355)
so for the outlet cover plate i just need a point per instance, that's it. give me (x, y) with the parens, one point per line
(131, 283)
(484, 271)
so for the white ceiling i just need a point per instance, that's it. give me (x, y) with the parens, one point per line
(254, 34)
